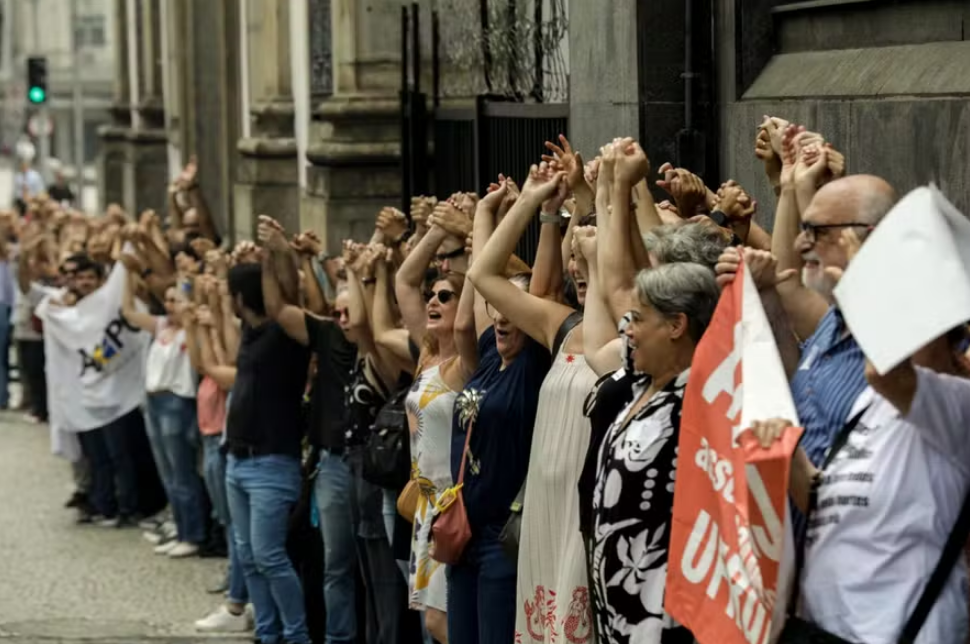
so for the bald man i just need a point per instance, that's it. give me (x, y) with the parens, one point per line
(830, 373)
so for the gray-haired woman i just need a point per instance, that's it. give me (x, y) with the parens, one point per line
(637, 460)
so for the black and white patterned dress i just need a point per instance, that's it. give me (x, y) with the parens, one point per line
(632, 505)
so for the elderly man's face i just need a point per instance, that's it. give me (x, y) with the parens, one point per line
(820, 248)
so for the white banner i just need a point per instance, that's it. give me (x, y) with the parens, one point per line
(95, 360)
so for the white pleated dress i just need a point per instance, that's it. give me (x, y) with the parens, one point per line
(553, 603)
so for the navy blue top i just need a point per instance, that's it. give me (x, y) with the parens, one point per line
(506, 401)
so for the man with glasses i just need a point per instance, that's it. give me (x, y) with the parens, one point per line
(830, 372)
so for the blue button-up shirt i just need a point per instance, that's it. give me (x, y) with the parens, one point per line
(829, 379)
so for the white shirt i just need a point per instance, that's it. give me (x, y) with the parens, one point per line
(886, 506)
(168, 367)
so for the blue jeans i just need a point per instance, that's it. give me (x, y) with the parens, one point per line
(5, 358)
(332, 493)
(481, 592)
(262, 491)
(174, 424)
(214, 473)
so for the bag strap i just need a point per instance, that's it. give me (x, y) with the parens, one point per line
(464, 454)
(570, 323)
(837, 444)
(948, 558)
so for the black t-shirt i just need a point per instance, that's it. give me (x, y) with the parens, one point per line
(264, 412)
(330, 416)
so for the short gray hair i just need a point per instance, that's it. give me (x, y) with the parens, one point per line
(690, 242)
(682, 287)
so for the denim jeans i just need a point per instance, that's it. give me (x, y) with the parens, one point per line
(214, 473)
(332, 493)
(262, 491)
(5, 328)
(174, 424)
(481, 592)
(114, 479)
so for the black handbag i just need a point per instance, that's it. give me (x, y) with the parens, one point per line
(509, 537)
(387, 455)
(800, 631)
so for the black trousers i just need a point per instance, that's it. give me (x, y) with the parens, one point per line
(33, 375)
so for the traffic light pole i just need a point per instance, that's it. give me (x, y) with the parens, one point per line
(44, 144)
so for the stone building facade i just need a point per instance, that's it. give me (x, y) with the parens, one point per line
(292, 107)
(884, 80)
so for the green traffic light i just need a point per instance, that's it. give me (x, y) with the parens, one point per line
(37, 95)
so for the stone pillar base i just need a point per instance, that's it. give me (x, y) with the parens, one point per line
(355, 154)
(111, 165)
(146, 171)
(267, 183)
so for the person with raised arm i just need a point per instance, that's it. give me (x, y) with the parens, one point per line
(171, 384)
(550, 534)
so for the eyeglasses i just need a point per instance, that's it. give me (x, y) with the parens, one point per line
(444, 295)
(342, 312)
(458, 252)
(811, 230)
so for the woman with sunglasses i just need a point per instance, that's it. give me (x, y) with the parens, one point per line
(431, 318)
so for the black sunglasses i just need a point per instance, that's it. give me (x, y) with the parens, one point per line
(458, 252)
(444, 295)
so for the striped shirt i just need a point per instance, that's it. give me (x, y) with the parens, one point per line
(829, 379)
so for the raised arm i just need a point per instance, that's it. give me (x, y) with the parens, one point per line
(386, 333)
(547, 269)
(646, 219)
(620, 269)
(466, 336)
(805, 307)
(132, 315)
(570, 161)
(601, 345)
(409, 280)
(540, 319)
(280, 302)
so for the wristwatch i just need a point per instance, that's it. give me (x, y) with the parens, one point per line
(550, 218)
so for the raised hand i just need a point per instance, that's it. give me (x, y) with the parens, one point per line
(449, 218)
(202, 245)
(734, 202)
(393, 223)
(570, 161)
(836, 162)
(760, 264)
(270, 233)
(496, 194)
(632, 164)
(553, 204)
(687, 189)
(246, 252)
(541, 184)
(219, 263)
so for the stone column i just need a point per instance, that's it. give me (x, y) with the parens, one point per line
(354, 143)
(267, 179)
(147, 156)
(111, 161)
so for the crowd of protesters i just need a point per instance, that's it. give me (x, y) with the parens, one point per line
(358, 429)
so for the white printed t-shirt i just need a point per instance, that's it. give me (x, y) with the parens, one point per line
(887, 503)
(168, 367)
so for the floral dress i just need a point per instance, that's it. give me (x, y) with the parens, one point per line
(632, 504)
(429, 406)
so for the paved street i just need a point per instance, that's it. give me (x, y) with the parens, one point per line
(61, 582)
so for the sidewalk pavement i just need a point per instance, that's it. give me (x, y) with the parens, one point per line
(60, 582)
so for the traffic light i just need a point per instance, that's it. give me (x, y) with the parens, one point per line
(37, 80)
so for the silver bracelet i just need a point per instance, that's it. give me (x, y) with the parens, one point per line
(547, 218)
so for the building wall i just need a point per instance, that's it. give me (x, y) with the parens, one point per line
(886, 83)
(43, 27)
